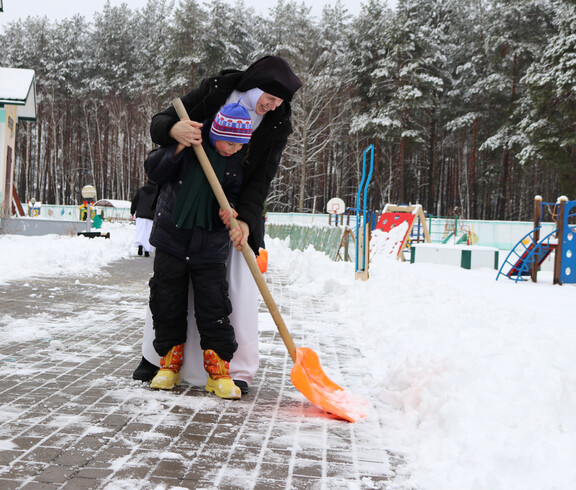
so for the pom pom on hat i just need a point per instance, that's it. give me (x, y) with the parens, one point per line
(232, 123)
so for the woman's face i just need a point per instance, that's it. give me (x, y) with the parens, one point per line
(266, 103)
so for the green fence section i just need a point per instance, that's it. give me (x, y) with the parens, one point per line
(334, 241)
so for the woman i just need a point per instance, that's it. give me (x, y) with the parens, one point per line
(265, 88)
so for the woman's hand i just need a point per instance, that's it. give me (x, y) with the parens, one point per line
(239, 234)
(186, 133)
(225, 216)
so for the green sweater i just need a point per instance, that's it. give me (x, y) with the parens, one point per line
(195, 202)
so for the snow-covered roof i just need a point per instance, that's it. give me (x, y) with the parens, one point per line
(18, 87)
(112, 203)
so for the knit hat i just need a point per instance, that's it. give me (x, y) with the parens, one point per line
(232, 123)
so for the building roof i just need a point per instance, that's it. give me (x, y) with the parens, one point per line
(18, 87)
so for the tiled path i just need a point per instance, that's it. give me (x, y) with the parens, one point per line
(71, 416)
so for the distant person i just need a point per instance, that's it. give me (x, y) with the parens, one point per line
(143, 208)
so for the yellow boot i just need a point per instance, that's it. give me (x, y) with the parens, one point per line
(169, 374)
(219, 380)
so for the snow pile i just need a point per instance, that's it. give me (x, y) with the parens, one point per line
(46, 255)
(388, 243)
(475, 378)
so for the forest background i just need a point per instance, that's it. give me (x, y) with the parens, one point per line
(470, 104)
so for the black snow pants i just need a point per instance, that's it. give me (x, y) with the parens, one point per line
(169, 305)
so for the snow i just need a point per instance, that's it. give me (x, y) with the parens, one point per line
(473, 379)
(15, 83)
(59, 254)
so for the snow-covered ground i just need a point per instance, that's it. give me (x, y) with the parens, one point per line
(473, 379)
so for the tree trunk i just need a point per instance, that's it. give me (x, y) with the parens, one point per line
(472, 171)
(401, 169)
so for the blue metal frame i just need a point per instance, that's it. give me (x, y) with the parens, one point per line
(522, 256)
(363, 187)
(526, 255)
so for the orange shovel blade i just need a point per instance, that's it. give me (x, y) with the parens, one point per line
(262, 260)
(310, 380)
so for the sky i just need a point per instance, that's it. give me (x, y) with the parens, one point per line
(61, 9)
(473, 380)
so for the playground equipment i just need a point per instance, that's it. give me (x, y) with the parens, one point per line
(531, 251)
(335, 207)
(399, 222)
(34, 207)
(463, 235)
(363, 232)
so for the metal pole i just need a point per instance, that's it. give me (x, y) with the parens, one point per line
(536, 236)
(88, 216)
(358, 238)
(363, 238)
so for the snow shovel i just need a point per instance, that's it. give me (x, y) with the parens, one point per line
(307, 374)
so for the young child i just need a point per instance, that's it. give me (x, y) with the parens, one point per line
(192, 243)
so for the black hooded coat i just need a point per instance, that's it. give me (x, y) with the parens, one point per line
(142, 205)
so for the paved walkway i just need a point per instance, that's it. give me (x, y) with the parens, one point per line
(71, 416)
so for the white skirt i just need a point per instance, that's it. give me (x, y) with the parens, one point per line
(244, 318)
(143, 229)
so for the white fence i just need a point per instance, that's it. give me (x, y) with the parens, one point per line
(499, 234)
(50, 211)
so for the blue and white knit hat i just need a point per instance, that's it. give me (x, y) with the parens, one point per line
(232, 123)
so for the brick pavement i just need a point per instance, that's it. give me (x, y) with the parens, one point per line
(71, 417)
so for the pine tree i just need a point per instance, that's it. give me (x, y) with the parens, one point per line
(186, 40)
(367, 47)
(550, 122)
(517, 32)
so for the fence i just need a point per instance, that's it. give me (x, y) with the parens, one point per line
(318, 230)
(50, 211)
(314, 229)
(334, 241)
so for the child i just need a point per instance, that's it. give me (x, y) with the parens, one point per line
(192, 244)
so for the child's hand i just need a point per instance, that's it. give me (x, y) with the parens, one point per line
(239, 235)
(225, 216)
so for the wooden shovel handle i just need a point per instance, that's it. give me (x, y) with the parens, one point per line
(246, 251)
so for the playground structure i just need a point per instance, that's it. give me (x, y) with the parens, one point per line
(363, 231)
(459, 235)
(531, 251)
(402, 225)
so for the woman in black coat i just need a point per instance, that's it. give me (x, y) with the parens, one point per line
(266, 89)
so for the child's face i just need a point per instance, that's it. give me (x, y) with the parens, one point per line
(227, 148)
